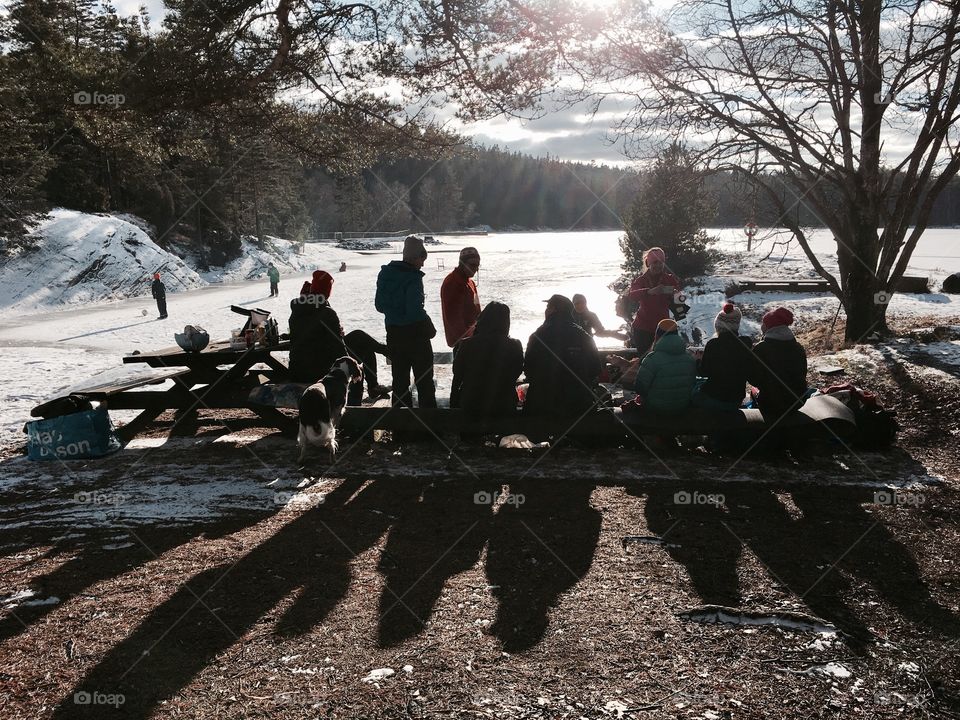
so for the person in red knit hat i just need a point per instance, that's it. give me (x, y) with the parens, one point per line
(779, 370)
(317, 340)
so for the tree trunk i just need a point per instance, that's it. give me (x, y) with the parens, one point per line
(865, 303)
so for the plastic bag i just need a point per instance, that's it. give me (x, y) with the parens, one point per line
(77, 436)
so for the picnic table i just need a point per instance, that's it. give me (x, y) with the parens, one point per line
(217, 377)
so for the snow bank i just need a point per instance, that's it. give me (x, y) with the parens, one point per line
(83, 258)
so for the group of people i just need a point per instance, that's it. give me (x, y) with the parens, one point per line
(561, 362)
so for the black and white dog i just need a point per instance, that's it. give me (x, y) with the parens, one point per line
(322, 405)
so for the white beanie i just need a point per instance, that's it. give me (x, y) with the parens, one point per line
(728, 319)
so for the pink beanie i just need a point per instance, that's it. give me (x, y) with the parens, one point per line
(775, 318)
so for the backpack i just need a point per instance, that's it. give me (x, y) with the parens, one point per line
(876, 428)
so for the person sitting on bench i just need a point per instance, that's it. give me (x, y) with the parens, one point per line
(486, 368)
(562, 364)
(666, 374)
(725, 363)
(779, 367)
(317, 339)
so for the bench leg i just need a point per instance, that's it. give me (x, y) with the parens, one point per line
(127, 432)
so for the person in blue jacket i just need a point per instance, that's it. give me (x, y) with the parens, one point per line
(400, 298)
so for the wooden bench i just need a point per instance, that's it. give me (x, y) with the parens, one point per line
(741, 286)
(107, 385)
(819, 411)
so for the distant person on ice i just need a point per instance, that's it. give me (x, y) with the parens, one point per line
(779, 370)
(343, 266)
(562, 364)
(458, 298)
(653, 292)
(274, 276)
(159, 291)
(400, 298)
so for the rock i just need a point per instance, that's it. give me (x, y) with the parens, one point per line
(377, 675)
(952, 284)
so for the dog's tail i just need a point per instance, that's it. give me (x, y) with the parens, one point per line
(321, 435)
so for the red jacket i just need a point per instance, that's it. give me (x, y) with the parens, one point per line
(460, 305)
(652, 308)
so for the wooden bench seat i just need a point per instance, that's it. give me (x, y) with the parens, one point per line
(109, 384)
(604, 422)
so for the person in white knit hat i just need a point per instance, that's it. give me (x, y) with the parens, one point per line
(725, 364)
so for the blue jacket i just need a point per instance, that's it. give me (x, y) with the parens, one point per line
(400, 295)
(666, 375)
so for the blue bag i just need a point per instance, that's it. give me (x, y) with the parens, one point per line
(77, 436)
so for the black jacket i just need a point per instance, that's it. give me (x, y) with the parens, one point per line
(779, 372)
(726, 364)
(562, 365)
(316, 339)
(158, 289)
(485, 372)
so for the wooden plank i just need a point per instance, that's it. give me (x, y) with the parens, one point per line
(216, 353)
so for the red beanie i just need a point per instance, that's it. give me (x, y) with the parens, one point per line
(322, 283)
(156, 276)
(774, 318)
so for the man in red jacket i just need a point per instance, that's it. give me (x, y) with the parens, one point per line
(458, 298)
(653, 291)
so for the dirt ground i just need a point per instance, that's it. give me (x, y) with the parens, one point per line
(565, 596)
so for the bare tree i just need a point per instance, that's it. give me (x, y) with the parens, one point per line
(811, 100)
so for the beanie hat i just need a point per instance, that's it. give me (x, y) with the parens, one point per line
(469, 253)
(322, 283)
(654, 253)
(156, 276)
(413, 249)
(665, 327)
(775, 318)
(728, 319)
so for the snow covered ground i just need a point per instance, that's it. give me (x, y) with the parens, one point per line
(54, 338)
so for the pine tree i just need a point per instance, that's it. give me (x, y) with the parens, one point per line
(670, 212)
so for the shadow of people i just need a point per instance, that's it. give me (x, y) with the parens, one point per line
(441, 536)
(542, 542)
(311, 555)
(690, 523)
(863, 547)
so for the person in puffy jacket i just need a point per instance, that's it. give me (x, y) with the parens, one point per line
(666, 374)
(274, 275)
(562, 364)
(779, 369)
(400, 298)
(653, 292)
(725, 364)
(486, 368)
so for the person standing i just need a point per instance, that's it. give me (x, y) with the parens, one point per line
(274, 276)
(653, 292)
(400, 298)
(159, 291)
(562, 364)
(459, 301)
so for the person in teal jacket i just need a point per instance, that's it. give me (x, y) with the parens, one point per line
(400, 298)
(667, 373)
(274, 276)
